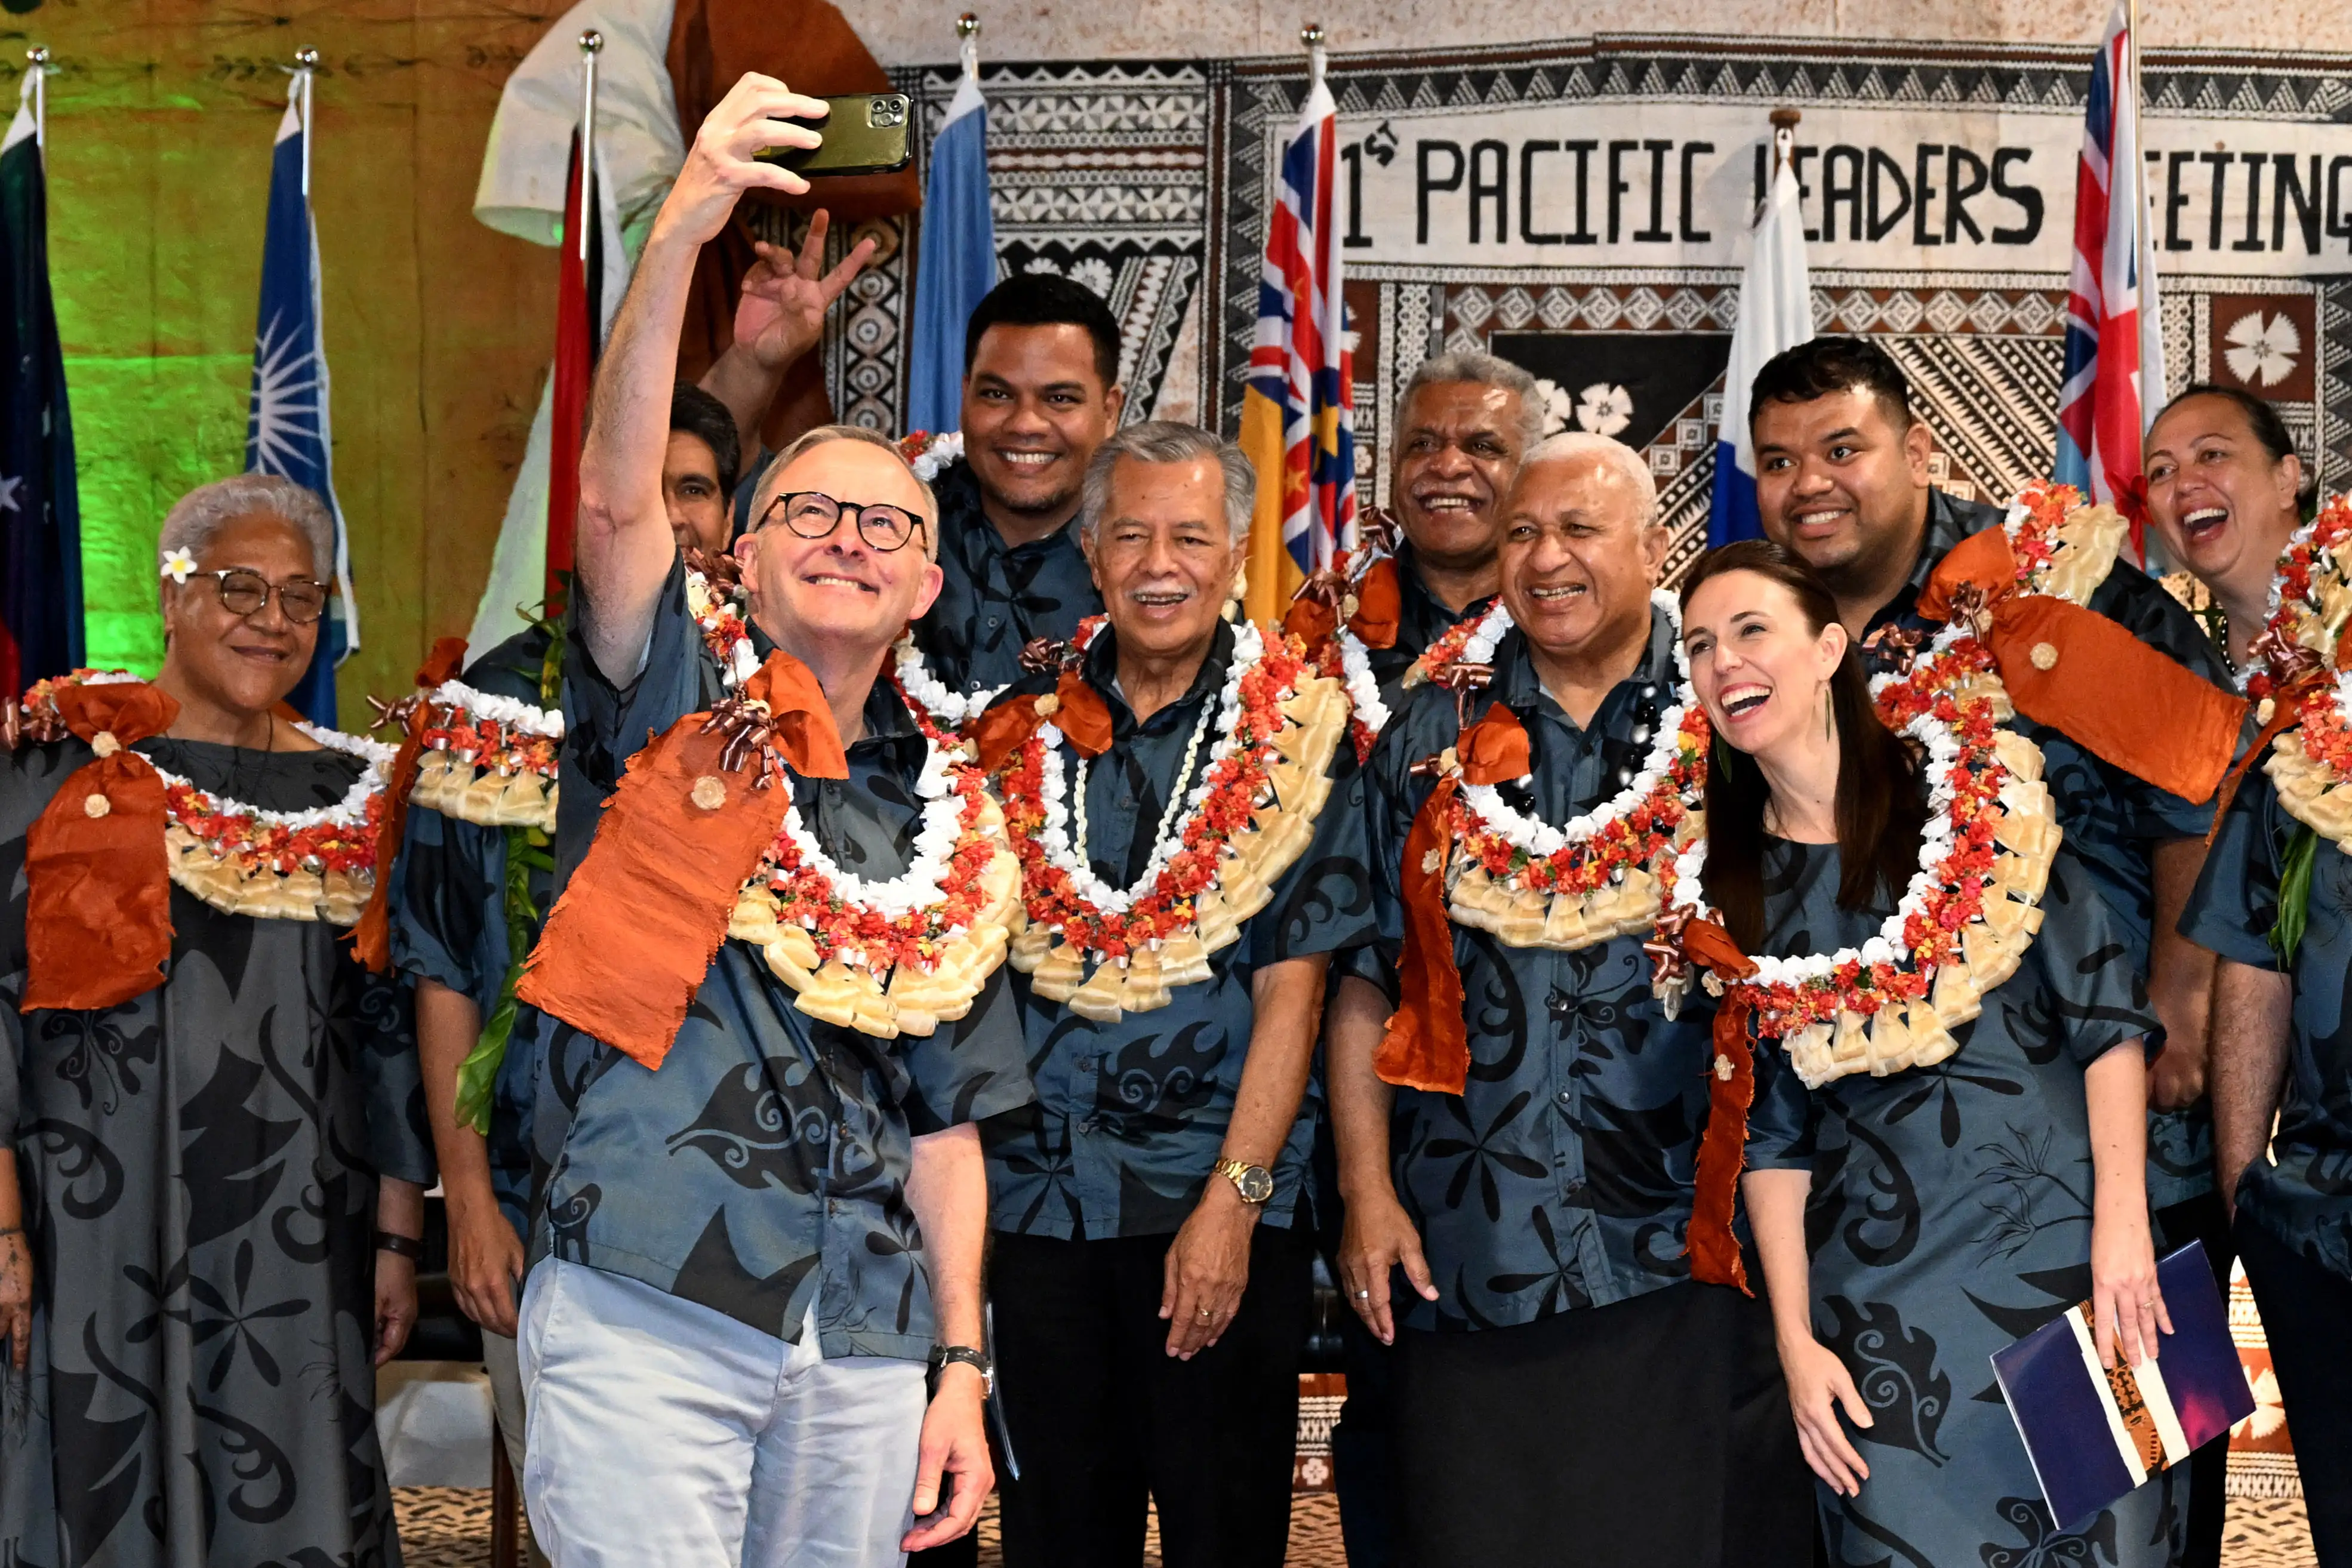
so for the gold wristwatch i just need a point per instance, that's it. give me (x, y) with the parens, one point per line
(1254, 1183)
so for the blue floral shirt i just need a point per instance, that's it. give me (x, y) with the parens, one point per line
(1131, 1115)
(448, 923)
(995, 597)
(2304, 1200)
(1561, 1177)
(763, 1170)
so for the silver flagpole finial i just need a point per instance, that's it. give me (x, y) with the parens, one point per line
(1311, 34)
(967, 24)
(591, 41)
(39, 55)
(1784, 133)
(306, 60)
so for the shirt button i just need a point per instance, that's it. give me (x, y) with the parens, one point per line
(1566, 1097)
(1091, 1125)
(994, 622)
(1575, 1187)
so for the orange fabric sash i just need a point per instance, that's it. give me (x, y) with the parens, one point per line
(2063, 666)
(98, 918)
(1427, 1045)
(627, 945)
(1714, 1248)
(1380, 602)
(1079, 713)
(371, 937)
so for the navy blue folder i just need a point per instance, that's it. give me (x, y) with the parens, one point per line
(2095, 1437)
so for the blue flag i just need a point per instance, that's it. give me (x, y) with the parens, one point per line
(288, 434)
(40, 519)
(958, 262)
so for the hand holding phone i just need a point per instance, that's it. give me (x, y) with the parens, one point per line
(863, 134)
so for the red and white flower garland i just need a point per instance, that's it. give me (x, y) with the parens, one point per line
(312, 864)
(1276, 724)
(933, 933)
(1966, 916)
(1596, 876)
(2064, 547)
(488, 759)
(2310, 602)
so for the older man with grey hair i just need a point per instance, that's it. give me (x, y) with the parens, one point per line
(1564, 1391)
(1150, 1266)
(1462, 423)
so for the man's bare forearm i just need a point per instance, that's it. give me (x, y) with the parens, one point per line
(948, 1189)
(2181, 973)
(447, 1025)
(1360, 1101)
(624, 544)
(2251, 1015)
(749, 388)
(1284, 999)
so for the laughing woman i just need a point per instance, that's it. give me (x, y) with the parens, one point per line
(1950, 1207)
(210, 1122)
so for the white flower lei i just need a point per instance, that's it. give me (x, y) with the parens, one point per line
(947, 707)
(1540, 839)
(946, 448)
(1053, 789)
(1363, 689)
(511, 712)
(1934, 847)
(348, 812)
(917, 887)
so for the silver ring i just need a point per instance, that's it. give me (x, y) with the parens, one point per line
(1205, 1312)
(1363, 1295)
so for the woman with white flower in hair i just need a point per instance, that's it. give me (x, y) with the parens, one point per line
(211, 1137)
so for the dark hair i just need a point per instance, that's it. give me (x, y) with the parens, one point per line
(1881, 802)
(1821, 366)
(2269, 430)
(1042, 299)
(703, 416)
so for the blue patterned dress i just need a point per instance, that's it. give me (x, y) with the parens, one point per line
(1950, 1214)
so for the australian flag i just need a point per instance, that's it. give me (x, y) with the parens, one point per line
(288, 433)
(40, 524)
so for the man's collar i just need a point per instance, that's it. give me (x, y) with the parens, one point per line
(1517, 685)
(962, 511)
(1949, 522)
(1101, 672)
(887, 719)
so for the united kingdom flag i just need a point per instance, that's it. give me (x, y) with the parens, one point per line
(1297, 420)
(2115, 336)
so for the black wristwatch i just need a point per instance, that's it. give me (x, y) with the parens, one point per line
(944, 1355)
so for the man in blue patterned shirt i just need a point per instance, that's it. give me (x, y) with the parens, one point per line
(1041, 393)
(1153, 1239)
(1565, 1392)
(743, 1259)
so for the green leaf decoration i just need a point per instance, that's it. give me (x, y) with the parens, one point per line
(2295, 893)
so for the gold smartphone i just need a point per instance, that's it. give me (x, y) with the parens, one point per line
(865, 134)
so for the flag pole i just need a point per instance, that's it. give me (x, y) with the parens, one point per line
(37, 61)
(1311, 35)
(592, 43)
(306, 63)
(1784, 138)
(968, 49)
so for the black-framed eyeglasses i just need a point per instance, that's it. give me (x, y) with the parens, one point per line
(244, 593)
(814, 514)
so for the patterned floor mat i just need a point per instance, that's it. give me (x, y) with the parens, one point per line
(450, 1527)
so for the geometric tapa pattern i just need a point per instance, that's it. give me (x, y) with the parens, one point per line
(1098, 170)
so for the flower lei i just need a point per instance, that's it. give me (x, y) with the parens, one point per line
(934, 931)
(2064, 547)
(488, 759)
(927, 454)
(1966, 916)
(312, 864)
(1278, 722)
(1597, 876)
(2310, 598)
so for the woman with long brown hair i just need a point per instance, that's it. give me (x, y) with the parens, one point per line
(1952, 1205)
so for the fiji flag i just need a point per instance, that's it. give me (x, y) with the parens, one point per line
(1776, 314)
(286, 432)
(40, 529)
(1298, 407)
(957, 265)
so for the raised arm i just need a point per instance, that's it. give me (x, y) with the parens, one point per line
(624, 546)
